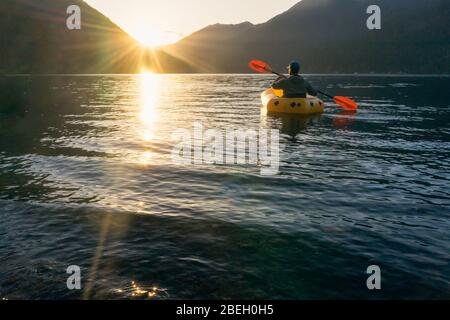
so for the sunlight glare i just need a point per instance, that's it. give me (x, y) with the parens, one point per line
(146, 158)
(149, 91)
(148, 114)
(153, 38)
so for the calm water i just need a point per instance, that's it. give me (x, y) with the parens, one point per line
(86, 178)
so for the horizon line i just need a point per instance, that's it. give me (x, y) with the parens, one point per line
(226, 74)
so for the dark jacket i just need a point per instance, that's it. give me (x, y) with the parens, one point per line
(294, 87)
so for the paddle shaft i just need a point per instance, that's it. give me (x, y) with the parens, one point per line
(278, 74)
(326, 95)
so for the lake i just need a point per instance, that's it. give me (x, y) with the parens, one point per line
(87, 178)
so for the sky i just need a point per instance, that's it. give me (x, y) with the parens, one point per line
(158, 22)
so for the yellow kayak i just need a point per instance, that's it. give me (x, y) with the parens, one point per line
(272, 102)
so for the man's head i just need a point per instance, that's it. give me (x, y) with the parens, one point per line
(294, 68)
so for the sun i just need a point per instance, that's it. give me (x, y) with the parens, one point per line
(154, 38)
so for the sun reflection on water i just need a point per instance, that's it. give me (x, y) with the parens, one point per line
(146, 158)
(136, 291)
(148, 113)
(148, 136)
(149, 91)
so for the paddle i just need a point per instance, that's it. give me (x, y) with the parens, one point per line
(262, 67)
(344, 102)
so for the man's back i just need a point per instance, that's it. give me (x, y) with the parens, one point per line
(294, 87)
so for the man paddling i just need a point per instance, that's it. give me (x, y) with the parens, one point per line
(294, 86)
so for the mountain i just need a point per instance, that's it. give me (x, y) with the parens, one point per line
(330, 36)
(327, 36)
(34, 38)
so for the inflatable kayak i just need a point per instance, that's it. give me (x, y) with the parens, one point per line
(272, 102)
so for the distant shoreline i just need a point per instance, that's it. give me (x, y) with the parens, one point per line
(231, 74)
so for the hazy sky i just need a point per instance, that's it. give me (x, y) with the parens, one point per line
(156, 21)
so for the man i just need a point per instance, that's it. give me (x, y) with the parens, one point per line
(294, 86)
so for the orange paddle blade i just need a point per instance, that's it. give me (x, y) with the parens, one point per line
(260, 66)
(346, 103)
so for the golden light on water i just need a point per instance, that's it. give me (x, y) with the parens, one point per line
(148, 113)
(146, 158)
(149, 92)
(148, 136)
(136, 291)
